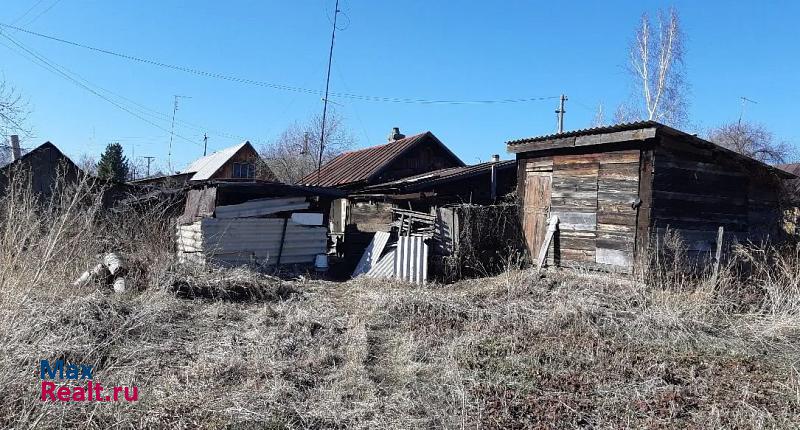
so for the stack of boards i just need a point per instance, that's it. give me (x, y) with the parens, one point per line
(239, 235)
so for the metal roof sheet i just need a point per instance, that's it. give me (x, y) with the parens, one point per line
(205, 167)
(588, 131)
(442, 175)
(364, 164)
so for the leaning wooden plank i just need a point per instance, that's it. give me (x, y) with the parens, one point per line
(551, 229)
(372, 254)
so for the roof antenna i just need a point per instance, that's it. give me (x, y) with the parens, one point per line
(741, 112)
(172, 130)
(325, 100)
(560, 114)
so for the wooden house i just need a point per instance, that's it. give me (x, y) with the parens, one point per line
(400, 157)
(617, 189)
(236, 162)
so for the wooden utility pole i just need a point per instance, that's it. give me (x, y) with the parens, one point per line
(560, 113)
(149, 159)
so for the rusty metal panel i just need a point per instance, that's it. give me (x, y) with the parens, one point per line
(411, 259)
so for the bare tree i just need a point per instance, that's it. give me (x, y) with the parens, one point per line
(13, 116)
(295, 153)
(88, 164)
(751, 139)
(657, 67)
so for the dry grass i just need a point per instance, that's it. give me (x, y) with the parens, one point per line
(567, 350)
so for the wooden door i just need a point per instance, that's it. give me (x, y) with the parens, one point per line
(536, 205)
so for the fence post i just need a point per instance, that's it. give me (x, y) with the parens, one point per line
(718, 255)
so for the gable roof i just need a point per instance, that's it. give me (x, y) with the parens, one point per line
(35, 152)
(437, 177)
(205, 167)
(793, 168)
(599, 137)
(366, 164)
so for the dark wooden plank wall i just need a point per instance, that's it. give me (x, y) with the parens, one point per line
(618, 191)
(574, 201)
(695, 191)
(593, 196)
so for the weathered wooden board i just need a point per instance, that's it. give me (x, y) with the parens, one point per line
(535, 209)
(613, 257)
(576, 220)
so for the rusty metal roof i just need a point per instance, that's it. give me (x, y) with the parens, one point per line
(588, 131)
(365, 164)
(441, 176)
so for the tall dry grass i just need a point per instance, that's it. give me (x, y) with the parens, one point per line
(232, 348)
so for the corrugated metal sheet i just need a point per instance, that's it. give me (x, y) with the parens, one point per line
(372, 254)
(385, 267)
(364, 164)
(241, 241)
(440, 176)
(588, 131)
(205, 167)
(259, 207)
(411, 260)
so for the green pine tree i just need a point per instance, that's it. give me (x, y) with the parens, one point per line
(113, 165)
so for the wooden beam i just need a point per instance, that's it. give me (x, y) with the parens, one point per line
(551, 229)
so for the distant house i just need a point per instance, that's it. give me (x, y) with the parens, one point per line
(42, 166)
(399, 158)
(47, 168)
(236, 162)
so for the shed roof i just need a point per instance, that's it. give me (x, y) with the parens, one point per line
(366, 164)
(441, 176)
(205, 167)
(639, 131)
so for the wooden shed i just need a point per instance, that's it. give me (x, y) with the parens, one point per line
(617, 189)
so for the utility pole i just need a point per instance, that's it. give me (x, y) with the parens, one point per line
(560, 113)
(205, 143)
(741, 112)
(149, 159)
(172, 129)
(327, 86)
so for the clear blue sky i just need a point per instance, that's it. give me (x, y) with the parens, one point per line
(409, 49)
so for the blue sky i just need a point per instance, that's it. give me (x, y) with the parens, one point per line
(410, 49)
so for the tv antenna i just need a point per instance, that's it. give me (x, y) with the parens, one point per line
(744, 101)
(172, 129)
(327, 86)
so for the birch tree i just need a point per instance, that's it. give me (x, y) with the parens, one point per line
(657, 68)
(13, 117)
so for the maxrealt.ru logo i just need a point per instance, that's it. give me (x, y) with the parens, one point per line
(71, 374)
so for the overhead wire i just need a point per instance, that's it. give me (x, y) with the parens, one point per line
(54, 69)
(254, 82)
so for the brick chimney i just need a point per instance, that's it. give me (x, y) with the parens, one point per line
(395, 134)
(15, 151)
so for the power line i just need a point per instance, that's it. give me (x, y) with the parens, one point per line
(54, 69)
(282, 87)
(42, 12)
(19, 18)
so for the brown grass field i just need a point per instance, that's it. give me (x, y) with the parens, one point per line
(222, 349)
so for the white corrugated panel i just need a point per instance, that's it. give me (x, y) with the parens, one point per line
(261, 207)
(372, 254)
(231, 242)
(385, 266)
(411, 260)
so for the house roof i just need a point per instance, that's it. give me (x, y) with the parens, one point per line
(205, 167)
(627, 132)
(440, 176)
(366, 164)
(793, 168)
(47, 146)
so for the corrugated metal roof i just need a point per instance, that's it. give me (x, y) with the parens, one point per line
(442, 175)
(793, 168)
(364, 164)
(205, 167)
(588, 131)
